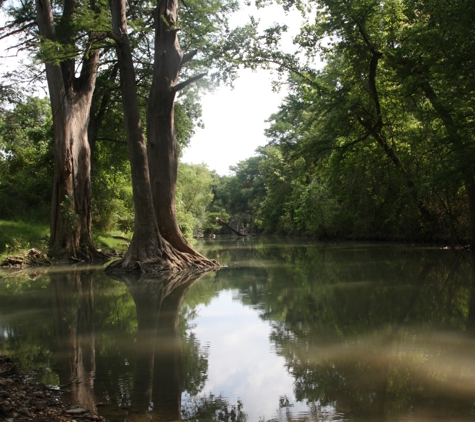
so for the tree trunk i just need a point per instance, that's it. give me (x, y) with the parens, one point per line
(224, 224)
(148, 250)
(71, 219)
(162, 144)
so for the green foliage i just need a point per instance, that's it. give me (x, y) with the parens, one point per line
(26, 159)
(316, 210)
(80, 29)
(195, 210)
(211, 226)
(378, 141)
(246, 191)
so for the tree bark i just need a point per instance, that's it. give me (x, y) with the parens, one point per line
(162, 143)
(148, 251)
(70, 96)
(146, 244)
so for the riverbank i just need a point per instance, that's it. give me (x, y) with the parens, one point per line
(25, 243)
(22, 400)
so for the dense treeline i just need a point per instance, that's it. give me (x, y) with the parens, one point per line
(376, 143)
(379, 143)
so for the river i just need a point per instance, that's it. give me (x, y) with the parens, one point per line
(290, 330)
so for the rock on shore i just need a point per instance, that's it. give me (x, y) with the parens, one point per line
(22, 400)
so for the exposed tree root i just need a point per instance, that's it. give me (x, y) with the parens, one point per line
(160, 259)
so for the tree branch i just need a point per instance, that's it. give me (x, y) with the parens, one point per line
(188, 56)
(180, 86)
(113, 36)
(19, 30)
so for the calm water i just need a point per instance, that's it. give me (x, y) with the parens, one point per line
(290, 331)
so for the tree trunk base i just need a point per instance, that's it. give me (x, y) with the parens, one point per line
(169, 261)
(87, 254)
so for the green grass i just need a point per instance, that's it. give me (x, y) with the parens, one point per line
(106, 241)
(18, 236)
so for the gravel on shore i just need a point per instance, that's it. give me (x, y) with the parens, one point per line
(22, 400)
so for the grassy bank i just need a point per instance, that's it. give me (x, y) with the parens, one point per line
(17, 237)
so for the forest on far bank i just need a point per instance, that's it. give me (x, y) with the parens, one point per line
(379, 143)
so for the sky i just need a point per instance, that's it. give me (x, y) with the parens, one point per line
(234, 119)
(234, 122)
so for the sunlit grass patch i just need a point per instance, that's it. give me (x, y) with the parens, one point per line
(17, 236)
(112, 240)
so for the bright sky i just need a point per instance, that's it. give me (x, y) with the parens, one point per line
(235, 118)
(234, 122)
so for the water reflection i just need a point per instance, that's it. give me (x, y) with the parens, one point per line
(157, 386)
(73, 314)
(144, 379)
(374, 333)
(363, 332)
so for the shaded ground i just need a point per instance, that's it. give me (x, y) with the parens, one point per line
(22, 400)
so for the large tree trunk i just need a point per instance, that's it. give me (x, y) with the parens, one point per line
(71, 221)
(162, 143)
(148, 250)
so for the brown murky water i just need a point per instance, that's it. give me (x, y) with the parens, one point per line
(291, 330)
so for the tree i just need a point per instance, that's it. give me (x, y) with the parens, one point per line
(71, 96)
(162, 144)
(63, 37)
(385, 126)
(71, 45)
(148, 250)
(194, 195)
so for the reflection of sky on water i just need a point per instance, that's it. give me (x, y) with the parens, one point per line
(242, 364)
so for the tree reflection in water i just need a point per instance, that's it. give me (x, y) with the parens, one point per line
(155, 392)
(73, 310)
